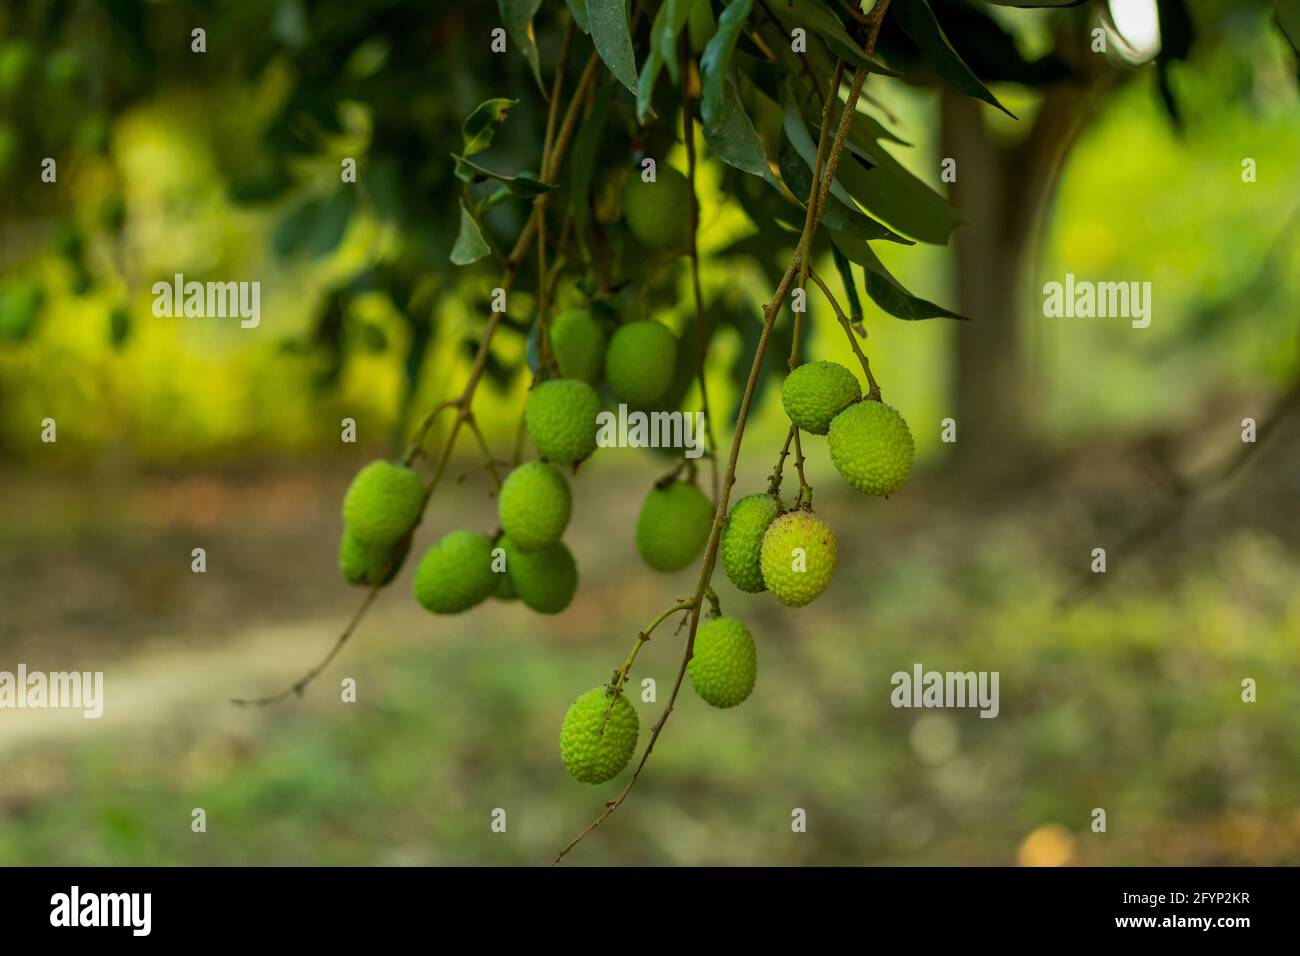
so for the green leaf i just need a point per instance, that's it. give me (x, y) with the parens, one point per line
(521, 185)
(481, 125)
(470, 245)
(667, 27)
(314, 227)
(717, 57)
(886, 291)
(734, 141)
(1288, 18)
(579, 10)
(918, 22)
(645, 83)
(837, 215)
(797, 133)
(814, 15)
(609, 32)
(517, 18)
(883, 186)
(119, 327)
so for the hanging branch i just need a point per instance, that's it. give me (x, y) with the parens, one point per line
(557, 144)
(770, 312)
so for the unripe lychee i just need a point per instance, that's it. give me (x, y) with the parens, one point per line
(725, 664)
(505, 588)
(798, 558)
(659, 213)
(815, 392)
(673, 526)
(871, 447)
(578, 345)
(560, 416)
(544, 580)
(640, 362)
(594, 747)
(534, 505)
(456, 573)
(382, 503)
(742, 540)
(364, 564)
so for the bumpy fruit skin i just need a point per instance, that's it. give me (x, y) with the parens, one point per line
(640, 362)
(578, 345)
(659, 213)
(815, 392)
(544, 580)
(363, 564)
(534, 505)
(590, 755)
(673, 526)
(382, 503)
(560, 416)
(871, 447)
(725, 664)
(798, 529)
(742, 540)
(456, 573)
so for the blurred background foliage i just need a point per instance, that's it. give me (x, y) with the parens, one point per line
(225, 165)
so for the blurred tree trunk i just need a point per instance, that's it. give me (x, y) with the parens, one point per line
(1001, 192)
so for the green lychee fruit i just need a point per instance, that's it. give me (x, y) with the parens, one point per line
(659, 213)
(798, 558)
(815, 392)
(724, 666)
(382, 503)
(534, 505)
(594, 747)
(871, 447)
(505, 588)
(742, 540)
(560, 416)
(578, 345)
(544, 580)
(673, 526)
(456, 573)
(364, 564)
(640, 362)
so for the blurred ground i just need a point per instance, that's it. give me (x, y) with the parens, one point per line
(1127, 698)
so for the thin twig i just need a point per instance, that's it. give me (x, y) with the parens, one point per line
(550, 165)
(873, 389)
(701, 337)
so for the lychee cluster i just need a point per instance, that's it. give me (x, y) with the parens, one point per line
(793, 554)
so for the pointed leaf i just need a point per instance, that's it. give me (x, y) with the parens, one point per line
(1288, 18)
(734, 141)
(836, 215)
(797, 133)
(517, 18)
(814, 15)
(668, 25)
(521, 185)
(918, 22)
(481, 125)
(717, 58)
(886, 291)
(579, 10)
(470, 245)
(609, 32)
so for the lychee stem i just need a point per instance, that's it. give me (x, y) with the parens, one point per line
(873, 389)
